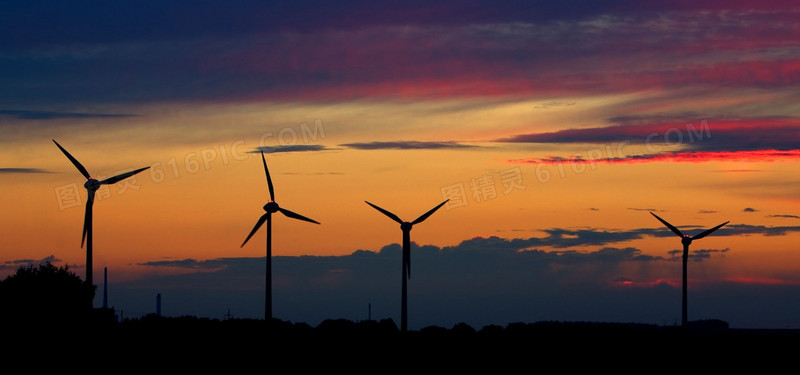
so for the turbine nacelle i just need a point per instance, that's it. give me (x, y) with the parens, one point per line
(271, 207)
(406, 226)
(686, 240)
(92, 184)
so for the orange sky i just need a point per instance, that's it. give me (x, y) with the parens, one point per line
(577, 120)
(172, 213)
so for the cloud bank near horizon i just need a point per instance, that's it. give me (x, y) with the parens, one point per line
(479, 281)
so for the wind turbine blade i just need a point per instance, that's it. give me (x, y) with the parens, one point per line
(86, 218)
(74, 161)
(120, 177)
(296, 216)
(429, 213)
(269, 180)
(706, 233)
(387, 213)
(260, 222)
(670, 226)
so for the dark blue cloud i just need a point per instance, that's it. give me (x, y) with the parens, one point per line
(697, 255)
(146, 51)
(14, 264)
(49, 115)
(291, 148)
(189, 263)
(784, 216)
(22, 170)
(82, 21)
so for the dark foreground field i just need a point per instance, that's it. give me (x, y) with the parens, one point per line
(239, 344)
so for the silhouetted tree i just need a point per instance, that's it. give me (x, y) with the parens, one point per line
(463, 329)
(44, 295)
(491, 330)
(388, 325)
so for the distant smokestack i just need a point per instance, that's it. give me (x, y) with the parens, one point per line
(105, 287)
(158, 304)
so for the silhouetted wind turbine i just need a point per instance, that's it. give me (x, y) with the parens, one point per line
(92, 185)
(686, 240)
(406, 228)
(270, 208)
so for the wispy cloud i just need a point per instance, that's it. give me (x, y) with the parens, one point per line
(50, 115)
(749, 209)
(23, 170)
(552, 104)
(315, 173)
(291, 148)
(785, 216)
(188, 263)
(406, 145)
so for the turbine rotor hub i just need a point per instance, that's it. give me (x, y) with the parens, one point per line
(406, 226)
(271, 207)
(686, 240)
(91, 184)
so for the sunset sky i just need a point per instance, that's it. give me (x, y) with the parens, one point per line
(554, 128)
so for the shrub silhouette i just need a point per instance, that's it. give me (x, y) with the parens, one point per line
(44, 295)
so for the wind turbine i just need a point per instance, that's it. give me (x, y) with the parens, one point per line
(92, 185)
(271, 207)
(686, 240)
(406, 228)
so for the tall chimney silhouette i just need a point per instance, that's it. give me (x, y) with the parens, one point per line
(158, 304)
(105, 287)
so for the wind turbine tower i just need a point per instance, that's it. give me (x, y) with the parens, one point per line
(686, 240)
(406, 226)
(92, 185)
(271, 207)
(105, 287)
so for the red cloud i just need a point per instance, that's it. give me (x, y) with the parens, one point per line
(750, 139)
(675, 157)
